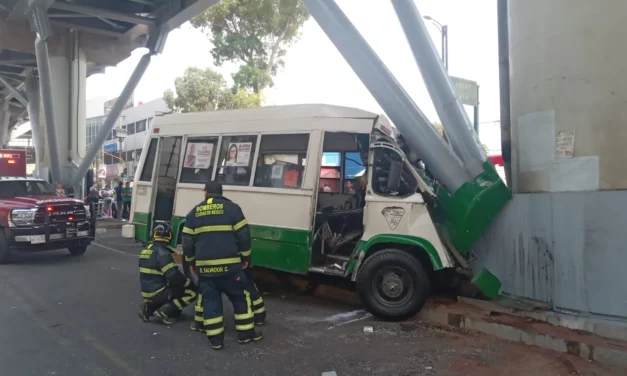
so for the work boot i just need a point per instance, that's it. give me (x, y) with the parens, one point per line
(216, 344)
(165, 319)
(144, 312)
(256, 336)
(196, 326)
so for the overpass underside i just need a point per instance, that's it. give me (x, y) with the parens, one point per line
(47, 50)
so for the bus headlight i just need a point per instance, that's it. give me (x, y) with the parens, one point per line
(23, 217)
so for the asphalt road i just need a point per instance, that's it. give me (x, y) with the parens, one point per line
(61, 315)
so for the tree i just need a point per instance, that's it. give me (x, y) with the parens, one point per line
(254, 33)
(206, 90)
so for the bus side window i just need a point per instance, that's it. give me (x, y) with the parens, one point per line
(198, 159)
(149, 163)
(236, 159)
(281, 161)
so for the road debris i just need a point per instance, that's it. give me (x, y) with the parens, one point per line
(368, 329)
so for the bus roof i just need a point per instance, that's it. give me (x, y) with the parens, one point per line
(270, 113)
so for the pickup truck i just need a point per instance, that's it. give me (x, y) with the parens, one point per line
(34, 217)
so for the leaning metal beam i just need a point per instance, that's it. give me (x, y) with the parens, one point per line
(41, 25)
(397, 104)
(102, 12)
(111, 119)
(32, 92)
(459, 129)
(14, 90)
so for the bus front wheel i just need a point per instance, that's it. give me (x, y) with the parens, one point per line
(393, 285)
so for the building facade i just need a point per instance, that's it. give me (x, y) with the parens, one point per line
(123, 147)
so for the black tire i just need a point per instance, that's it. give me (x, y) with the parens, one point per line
(5, 253)
(378, 282)
(78, 250)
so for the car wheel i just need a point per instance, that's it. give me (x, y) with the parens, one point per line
(393, 285)
(78, 250)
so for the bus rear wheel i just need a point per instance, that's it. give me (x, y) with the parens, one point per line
(393, 285)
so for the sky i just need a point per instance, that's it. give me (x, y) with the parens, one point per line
(316, 72)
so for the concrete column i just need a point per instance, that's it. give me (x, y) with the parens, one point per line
(5, 115)
(68, 74)
(568, 96)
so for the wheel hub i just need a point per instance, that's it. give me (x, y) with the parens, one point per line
(392, 286)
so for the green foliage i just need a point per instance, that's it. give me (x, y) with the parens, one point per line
(255, 33)
(206, 90)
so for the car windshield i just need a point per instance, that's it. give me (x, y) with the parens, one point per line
(19, 188)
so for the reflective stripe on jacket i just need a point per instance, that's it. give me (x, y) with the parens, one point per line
(216, 237)
(157, 270)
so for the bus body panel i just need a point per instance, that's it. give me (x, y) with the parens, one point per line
(404, 221)
(279, 220)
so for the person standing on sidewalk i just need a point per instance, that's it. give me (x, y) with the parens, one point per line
(119, 200)
(127, 196)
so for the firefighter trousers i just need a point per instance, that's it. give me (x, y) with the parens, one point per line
(171, 301)
(258, 306)
(232, 285)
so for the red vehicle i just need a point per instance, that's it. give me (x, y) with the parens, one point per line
(12, 162)
(34, 217)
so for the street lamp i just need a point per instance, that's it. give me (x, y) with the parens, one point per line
(444, 31)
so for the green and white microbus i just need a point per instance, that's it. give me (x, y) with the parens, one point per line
(325, 189)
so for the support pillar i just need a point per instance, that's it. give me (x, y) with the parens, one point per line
(33, 107)
(155, 45)
(406, 116)
(41, 25)
(459, 129)
(5, 115)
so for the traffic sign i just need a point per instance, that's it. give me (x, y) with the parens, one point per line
(467, 91)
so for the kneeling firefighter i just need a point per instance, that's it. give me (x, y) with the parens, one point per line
(216, 238)
(166, 291)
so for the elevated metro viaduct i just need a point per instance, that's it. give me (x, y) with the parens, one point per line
(561, 239)
(47, 50)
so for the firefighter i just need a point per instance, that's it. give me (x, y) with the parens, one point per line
(216, 238)
(166, 291)
(259, 308)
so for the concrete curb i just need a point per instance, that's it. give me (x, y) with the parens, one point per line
(584, 346)
(458, 315)
(110, 224)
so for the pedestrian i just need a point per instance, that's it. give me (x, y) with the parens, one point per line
(216, 239)
(92, 199)
(166, 291)
(127, 196)
(119, 200)
(107, 196)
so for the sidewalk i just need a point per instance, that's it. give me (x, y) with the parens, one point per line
(535, 328)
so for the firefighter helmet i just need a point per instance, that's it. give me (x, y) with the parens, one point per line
(162, 233)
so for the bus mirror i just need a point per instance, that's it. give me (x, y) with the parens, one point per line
(394, 176)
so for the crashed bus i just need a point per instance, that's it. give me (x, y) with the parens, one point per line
(326, 190)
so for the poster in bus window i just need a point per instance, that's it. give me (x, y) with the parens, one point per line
(198, 155)
(238, 154)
